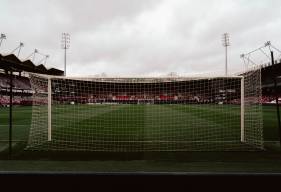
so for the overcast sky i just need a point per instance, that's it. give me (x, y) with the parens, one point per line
(141, 37)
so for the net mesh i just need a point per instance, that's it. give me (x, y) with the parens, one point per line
(146, 114)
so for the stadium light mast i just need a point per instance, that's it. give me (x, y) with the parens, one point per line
(225, 43)
(18, 48)
(33, 54)
(44, 60)
(2, 37)
(65, 43)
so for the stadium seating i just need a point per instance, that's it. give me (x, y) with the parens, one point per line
(21, 90)
(22, 86)
(21, 83)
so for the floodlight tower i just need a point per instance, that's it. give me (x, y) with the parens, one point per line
(18, 48)
(46, 57)
(33, 54)
(225, 43)
(2, 37)
(44, 60)
(65, 43)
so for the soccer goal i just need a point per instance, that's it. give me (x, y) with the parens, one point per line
(146, 114)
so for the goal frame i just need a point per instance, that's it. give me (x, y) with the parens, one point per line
(242, 96)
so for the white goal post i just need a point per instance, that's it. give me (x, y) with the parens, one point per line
(184, 113)
(242, 110)
(49, 109)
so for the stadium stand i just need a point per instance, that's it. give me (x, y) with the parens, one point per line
(22, 91)
(268, 91)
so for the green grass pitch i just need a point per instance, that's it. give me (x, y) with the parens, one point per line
(132, 124)
(145, 126)
(267, 161)
(145, 122)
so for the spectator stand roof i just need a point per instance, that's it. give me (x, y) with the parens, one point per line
(13, 63)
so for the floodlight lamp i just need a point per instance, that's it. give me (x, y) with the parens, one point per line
(225, 40)
(3, 36)
(268, 43)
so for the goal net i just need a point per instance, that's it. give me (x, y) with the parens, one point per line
(146, 114)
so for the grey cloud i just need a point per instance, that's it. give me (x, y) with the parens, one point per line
(142, 37)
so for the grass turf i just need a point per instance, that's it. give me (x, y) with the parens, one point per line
(269, 161)
(140, 128)
(151, 123)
